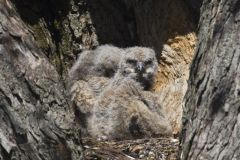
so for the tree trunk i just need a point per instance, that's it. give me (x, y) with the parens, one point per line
(211, 119)
(36, 120)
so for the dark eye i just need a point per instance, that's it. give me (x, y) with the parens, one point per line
(148, 62)
(131, 61)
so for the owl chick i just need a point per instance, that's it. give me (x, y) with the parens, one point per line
(140, 64)
(124, 110)
(101, 62)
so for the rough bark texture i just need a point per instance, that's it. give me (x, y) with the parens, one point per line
(61, 28)
(36, 120)
(211, 119)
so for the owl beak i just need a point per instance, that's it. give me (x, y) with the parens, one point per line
(140, 66)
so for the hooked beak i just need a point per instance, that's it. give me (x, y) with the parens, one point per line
(140, 66)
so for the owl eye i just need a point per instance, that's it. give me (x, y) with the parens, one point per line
(131, 61)
(148, 62)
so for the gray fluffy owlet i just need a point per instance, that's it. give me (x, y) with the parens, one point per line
(101, 62)
(124, 110)
(139, 64)
(89, 76)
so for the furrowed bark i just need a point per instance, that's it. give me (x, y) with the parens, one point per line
(211, 119)
(36, 119)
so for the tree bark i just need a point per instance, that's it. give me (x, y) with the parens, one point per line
(36, 119)
(211, 119)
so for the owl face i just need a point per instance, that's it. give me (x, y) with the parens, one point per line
(140, 64)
